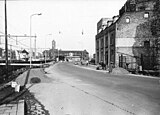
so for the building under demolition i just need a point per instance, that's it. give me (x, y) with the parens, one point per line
(126, 39)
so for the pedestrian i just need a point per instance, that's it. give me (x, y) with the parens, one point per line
(87, 63)
(110, 67)
(101, 63)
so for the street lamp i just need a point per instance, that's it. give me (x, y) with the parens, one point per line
(82, 45)
(60, 33)
(31, 36)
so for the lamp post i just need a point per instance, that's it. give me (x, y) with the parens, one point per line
(82, 45)
(31, 36)
(59, 47)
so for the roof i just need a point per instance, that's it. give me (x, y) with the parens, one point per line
(24, 51)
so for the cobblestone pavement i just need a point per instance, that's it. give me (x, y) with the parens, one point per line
(33, 106)
(13, 108)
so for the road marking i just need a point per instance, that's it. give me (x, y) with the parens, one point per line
(106, 101)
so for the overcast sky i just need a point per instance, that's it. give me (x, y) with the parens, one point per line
(62, 20)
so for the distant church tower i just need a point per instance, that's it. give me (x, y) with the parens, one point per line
(53, 44)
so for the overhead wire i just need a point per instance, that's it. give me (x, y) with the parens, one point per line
(18, 42)
(11, 38)
(15, 46)
(12, 26)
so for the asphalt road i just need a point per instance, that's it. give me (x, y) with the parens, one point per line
(142, 93)
(79, 91)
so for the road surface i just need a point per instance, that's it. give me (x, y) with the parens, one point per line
(74, 90)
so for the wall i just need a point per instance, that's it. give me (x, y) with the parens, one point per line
(130, 38)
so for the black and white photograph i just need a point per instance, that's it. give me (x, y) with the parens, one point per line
(79, 57)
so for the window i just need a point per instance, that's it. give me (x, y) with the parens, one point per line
(106, 44)
(146, 15)
(141, 8)
(97, 44)
(112, 39)
(102, 43)
(147, 44)
(127, 20)
(112, 52)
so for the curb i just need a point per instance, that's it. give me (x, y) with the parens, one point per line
(20, 108)
(144, 76)
(105, 71)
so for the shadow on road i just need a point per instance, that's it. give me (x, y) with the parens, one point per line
(8, 94)
(32, 105)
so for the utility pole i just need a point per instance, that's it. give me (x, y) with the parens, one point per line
(10, 53)
(6, 40)
(30, 37)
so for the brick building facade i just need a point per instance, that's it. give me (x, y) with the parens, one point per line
(126, 40)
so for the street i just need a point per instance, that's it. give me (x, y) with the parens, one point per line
(80, 57)
(74, 90)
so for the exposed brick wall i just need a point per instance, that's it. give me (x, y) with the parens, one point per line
(128, 30)
(149, 5)
(130, 38)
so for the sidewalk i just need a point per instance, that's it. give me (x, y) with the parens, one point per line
(15, 103)
(13, 108)
(117, 71)
(114, 71)
(10, 102)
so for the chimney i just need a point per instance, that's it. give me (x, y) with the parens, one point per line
(109, 23)
(115, 18)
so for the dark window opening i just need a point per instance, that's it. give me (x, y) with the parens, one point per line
(146, 44)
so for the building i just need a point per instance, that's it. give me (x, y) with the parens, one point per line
(1, 52)
(126, 40)
(72, 55)
(102, 24)
(53, 44)
(14, 54)
(21, 55)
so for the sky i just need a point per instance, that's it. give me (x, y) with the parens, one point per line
(61, 20)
